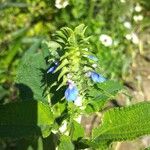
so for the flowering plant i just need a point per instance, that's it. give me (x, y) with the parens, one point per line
(59, 83)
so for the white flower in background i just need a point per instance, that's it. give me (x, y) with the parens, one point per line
(133, 37)
(128, 36)
(122, 1)
(138, 8)
(61, 3)
(78, 101)
(78, 119)
(106, 40)
(63, 128)
(127, 25)
(138, 18)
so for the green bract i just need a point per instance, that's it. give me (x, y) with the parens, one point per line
(72, 57)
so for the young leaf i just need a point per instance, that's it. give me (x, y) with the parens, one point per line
(27, 118)
(65, 143)
(124, 123)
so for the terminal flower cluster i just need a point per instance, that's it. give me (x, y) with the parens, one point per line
(72, 93)
(76, 64)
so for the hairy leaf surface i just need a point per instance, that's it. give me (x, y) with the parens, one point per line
(124, 123)
(31, 73)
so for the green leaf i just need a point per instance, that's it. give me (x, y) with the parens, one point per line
(65, 143)
(102, 93)
(80, 29)
(31, 73)
(148, 148)
(77, 131)
(110, 87)
(124, 123)
(27, 118)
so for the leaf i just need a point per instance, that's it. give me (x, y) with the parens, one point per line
(110, 87)
(63, 63)
(63, 72)
(77, 131)
(124, 123)
(148, 148)
(80, 29)
(102, 93)
(65, 143)
(26, 118)
(31, 73)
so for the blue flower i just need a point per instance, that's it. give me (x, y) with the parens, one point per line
(97, 77)
(52, 69)
(92, 58)
(71, 93)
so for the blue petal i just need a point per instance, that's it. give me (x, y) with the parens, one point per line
(93, 58)
(51, 70)
(71, 93)
(97, 77)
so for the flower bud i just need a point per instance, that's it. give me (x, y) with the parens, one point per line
(53, 68)
(97, 77)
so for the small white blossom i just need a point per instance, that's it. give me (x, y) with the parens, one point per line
(138, 8)
(106, 40)
(70, 82)
(61, 3)
(78, 101)
(122, 1)
(135, 38)
(63, 128)
(69, 76)
(138, 18)
(127, 25)
(128, 36)
(94, 65)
